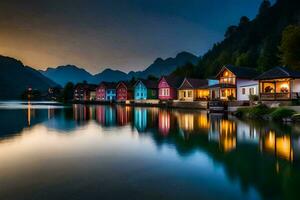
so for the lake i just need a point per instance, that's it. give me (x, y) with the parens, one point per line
(48, 151)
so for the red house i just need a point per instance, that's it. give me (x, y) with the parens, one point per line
(124, 91)
(167, 87)
(101, 92)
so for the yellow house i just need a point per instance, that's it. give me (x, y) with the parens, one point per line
(193, 90)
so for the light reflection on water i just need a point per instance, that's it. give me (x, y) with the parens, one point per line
(92, 152)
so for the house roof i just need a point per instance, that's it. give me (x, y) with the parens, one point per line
(192, 83)
(173, 81)
(128, 85)
(108, 85)
(278, 72)
(240, 72)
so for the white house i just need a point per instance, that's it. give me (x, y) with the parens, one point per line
(236, 83)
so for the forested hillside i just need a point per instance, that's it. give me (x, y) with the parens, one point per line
(258, 43)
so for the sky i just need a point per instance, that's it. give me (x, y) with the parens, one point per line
(120, 34)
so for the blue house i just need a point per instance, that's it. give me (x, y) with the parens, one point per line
(145, 89)
(106, 91)
(111, 94)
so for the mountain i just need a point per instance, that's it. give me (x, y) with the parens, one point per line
(159, 67)
(15, 78)
(110, 75)
(251, 43)
(164, 67)
(66, 73)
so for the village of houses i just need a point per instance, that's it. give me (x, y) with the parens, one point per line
(233, 85)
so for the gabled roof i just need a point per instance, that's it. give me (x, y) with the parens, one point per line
(173, 81)
(240, 72)
(278, 72)
(192, 83)
(128, 85)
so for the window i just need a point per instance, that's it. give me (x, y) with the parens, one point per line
(189, 93)
(243, 91)
(251, 91)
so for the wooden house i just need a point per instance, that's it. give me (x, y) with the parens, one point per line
(279, 83)
(106, 91)
(235, 83)
(124, 91)
(168, 86)
(193, 89)
(145, 89)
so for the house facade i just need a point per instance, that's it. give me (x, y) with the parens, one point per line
(85, 92)
(167, 87)
(235, 83)
(279, 83)
(145, 89)
(106, 91)
(193, 90)
(124, 91)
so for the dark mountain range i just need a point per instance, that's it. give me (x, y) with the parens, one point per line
(159, 67)
(64, 74)
(164, 67)
(15, 78)
(110, 75)
(252, 43)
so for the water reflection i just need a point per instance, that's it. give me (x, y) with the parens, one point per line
(263, 157)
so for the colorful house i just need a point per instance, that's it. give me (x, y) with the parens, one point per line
(235, 83)
(279, 83)
(85, 92)
(193, 89)
(145, 89)
(106, 91)
(167, 87)
(124, 91)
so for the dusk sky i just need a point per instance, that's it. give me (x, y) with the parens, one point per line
(121, 34)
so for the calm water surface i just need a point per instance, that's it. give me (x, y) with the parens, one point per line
(105, 152)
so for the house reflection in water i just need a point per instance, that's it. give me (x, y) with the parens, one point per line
(164, 122)
(280, 146)
(100, 114)
(224, 132)
(79, 112)
(123, 115)
(185, 122)
(106, 115)
(110, 116)
(140, 119)
(203, 121)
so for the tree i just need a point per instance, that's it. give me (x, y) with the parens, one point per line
(290, 47)
(230, 31)
(68, 92)
(244, 21)
(264, 7)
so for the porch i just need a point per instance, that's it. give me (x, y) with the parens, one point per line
(277, 89)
